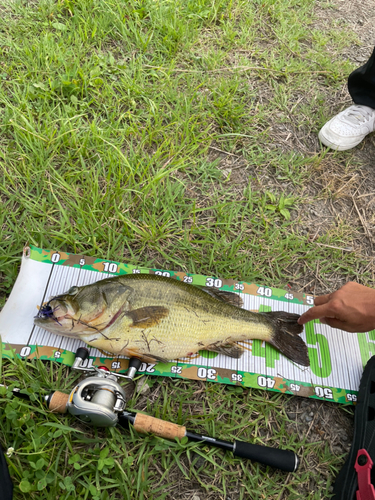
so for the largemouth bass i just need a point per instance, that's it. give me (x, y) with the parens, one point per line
(158, 319)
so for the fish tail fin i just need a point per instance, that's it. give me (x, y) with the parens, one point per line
(285, 336)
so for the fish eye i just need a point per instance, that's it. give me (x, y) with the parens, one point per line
(72, 290)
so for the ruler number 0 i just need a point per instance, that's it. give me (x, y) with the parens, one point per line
(25, 351)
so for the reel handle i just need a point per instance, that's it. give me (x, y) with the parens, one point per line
(80, 356)
(134, 365)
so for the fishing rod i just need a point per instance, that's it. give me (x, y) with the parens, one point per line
(100, 400)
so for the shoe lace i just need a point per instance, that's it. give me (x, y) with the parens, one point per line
(358, 114)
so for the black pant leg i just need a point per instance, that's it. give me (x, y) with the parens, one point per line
(6, 486)
(361, 83)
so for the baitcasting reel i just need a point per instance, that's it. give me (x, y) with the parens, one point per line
(96, 400)
(99, 400)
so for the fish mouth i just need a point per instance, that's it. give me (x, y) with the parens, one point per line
(52, 326)
(48, 321)
(57, 316)
(47, 313)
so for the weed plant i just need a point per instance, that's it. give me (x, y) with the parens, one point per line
(160, 133)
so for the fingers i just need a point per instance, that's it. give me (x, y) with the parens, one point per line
(351, 308)
(322, 299)
(341, 325)
(317, 312)
(334, 323)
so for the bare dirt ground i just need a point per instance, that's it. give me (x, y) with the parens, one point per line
(353, 180)
(315, 419)
(343, 192)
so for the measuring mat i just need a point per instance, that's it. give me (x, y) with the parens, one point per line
(337, 358)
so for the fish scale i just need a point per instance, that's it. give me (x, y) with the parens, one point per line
(188, 326)
(159, 318)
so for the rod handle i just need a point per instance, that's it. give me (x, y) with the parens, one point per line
(285, 460)
(161, 428)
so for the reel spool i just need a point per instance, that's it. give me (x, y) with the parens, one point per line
(97, 400)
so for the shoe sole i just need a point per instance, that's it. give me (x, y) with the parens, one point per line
(334, 146)
(346, 483)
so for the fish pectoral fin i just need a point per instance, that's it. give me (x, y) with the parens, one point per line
(230, 349)
(146, 317)
(229, 297)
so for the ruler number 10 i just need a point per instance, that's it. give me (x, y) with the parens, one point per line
(110, 267)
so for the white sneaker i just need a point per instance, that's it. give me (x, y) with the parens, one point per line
(347, 129)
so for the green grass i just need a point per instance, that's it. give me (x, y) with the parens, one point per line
(56, 457)
(156, 133)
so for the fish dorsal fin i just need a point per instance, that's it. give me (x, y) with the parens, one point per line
(146, 317)
(229, 297)
(230, 349)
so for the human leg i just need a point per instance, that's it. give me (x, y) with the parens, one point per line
(347, 129)
(361, 83)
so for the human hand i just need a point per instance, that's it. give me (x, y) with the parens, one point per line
(351, 308)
